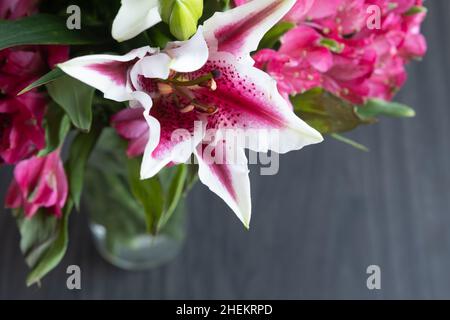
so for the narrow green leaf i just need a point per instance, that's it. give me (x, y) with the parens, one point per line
(75, 98)
(57, 125)
(378, 107)
(272, 37)
(416, 10)
(148, 193)
(52, 252)
(49, 77)
(192, 178)
(174, 194)
(350, 142)
(80, 150)
(326, 112)
(332, 45)
(44, 29)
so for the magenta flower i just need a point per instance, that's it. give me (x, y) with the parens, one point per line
(131, 125)
(305, 61)
(312, 10)
(14, 9)
(207, 83)
(21, 132)
(332, 47)
(39, 183)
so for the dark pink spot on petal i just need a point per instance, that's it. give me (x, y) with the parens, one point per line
(240, 102)
(171, 119)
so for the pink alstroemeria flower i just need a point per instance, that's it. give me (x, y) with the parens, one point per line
(332, 47)
(21, 131)
(209, 80)
(131, 125)
(39, 182)
(307, 10)
(14, 9)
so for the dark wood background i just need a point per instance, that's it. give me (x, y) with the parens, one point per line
(317, 225)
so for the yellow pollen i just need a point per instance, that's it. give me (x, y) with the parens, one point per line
(165, 89)
(188, 109)
(213, 85)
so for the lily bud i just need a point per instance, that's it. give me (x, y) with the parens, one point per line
(182, 16)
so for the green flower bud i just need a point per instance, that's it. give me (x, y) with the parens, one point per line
(182, 16)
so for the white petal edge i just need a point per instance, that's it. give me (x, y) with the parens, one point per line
(156, 66)
(180, 153)
(190, 55)
(134, 17)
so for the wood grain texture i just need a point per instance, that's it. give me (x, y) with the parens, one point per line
(318, 224)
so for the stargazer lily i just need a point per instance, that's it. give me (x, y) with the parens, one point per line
(209, 79)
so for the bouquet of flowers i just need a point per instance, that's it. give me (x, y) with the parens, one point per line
(134, 100)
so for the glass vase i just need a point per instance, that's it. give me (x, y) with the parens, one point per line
(118, 222)
(137, 249)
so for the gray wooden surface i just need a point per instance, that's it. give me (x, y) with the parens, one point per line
(318, 224)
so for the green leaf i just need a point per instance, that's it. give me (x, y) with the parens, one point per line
(191, 179)
(160, 36)
(272, 37)
(174, 194)
(57, 125)
(44, 242)
(326, 112)
(117, 209)
(213, 6)
(148, 193)
(182, 16)
(80, 150)
(42, 29)
(350, 142)
(332, 45)
(416, 10)
(75, 98)
(49, 77)
(377, 107)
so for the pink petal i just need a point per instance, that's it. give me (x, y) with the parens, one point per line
(106, 73)
(247, 99)
(239, 31)
(165, 145)
(228, 179)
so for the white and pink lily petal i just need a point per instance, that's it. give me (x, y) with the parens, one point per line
(118, 76)
(240, 30)
(134, 17)
(228, 178)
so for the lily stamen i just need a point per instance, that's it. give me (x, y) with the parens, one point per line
(165, 89)
(206, 80)
(190, 83)
(188, 109)
(209, 109)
